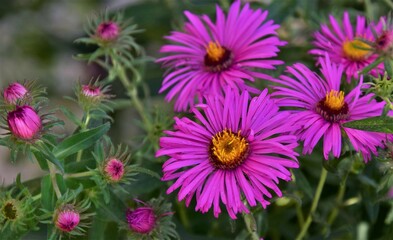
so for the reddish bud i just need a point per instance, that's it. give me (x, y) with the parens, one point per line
(141, 220)
(14, 92)
(91, 91)
(67, 219)
(114, 169)
(108, 31)
(24, 122)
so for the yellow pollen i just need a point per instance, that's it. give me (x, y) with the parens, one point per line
(356, 49)
(228, 147)
(334, 100)
(215, 51)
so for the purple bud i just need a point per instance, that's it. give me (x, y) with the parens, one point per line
(108, 31)
(114, 169)
(91, 91)
(141, 220)
(67, 219)
(14, 92)
(385, 41)
(24, 122)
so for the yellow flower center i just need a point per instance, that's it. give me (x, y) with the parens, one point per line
(356, 50)
(228, 150)
(334, 100)
(214, 51)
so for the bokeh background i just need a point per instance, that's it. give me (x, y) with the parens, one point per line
(36, 42)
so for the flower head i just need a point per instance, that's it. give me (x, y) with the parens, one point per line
(108, 31)
(141, 220)
(208, 56)
(91, 91)
(14, 92)
(114, 169)
(239, 148)
(67, 219)
(347, 45)
(151, 220)
(24, 123)
(322, 108)
(93, 95)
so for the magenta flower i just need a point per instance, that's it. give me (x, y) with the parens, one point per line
(108, 31)
(322, 108)
(208, 56)
(24, 122)
(343, 45)
(114, 169)
(67, 219)
(141, 220)
(230, 153)
(91, 91)
(15, 91)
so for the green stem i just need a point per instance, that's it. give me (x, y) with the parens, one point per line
(52, 172)
(224, 4)
(387, 100)
(79, 175)
(339, 201)
(300, 216)
(183, 215)
(36, 197)
(132, 91)
(251, 225)
(83, 127)
(314, 204)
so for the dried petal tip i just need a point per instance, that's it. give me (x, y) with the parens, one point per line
(108, 31)
(141, 220)
(24, 122)
(14, 92)
(91, 91)
(114, 169)
(67, 219)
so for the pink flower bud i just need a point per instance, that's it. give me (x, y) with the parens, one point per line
(114, 169)
(385, 41)
(91, 91)
(141, 220)
(108, 31)
(14, 92)
(67, 219)
(24, 122)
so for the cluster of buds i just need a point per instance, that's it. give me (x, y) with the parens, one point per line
(151, 220)
(21, 116)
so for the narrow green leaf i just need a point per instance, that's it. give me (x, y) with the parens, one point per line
(48, 155)
(71, 116)
(375, 124)
(41, 160)
(79, 141)
(47, 194)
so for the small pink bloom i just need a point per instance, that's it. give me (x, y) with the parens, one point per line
(24, 122)
(141, 220)
(384, 42)
(67, 219)
(14, 92)
(91, 91)
(114, 169)
(108, 31)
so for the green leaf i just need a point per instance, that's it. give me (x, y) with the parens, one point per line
(71, 116)
(48, 155)
(41, 160)
(47, 194)
(80, 141)
(375, 124)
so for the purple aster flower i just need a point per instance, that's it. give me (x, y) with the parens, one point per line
(208, 56)
(238, 148)
(322, 108)
(344, 46)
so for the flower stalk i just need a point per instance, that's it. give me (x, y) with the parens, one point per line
(314, 204)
